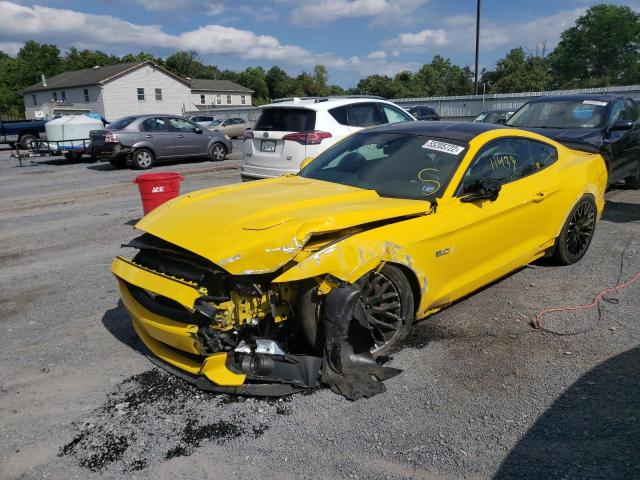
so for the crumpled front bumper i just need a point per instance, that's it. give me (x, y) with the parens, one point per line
(174, 344)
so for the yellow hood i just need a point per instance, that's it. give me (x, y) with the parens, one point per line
(259, 226)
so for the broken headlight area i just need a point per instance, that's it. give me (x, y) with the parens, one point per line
(245, 334)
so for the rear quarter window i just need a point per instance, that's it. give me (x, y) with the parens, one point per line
(287, 120)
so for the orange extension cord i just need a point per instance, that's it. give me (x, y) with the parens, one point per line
(538, 323)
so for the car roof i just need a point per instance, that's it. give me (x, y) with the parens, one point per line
(326, 103)
(463, 131)
(601, 97)
(499, 110)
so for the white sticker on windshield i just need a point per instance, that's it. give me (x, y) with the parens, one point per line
(594, 102)
(443, 147)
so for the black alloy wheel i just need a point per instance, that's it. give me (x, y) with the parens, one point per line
(577, 232)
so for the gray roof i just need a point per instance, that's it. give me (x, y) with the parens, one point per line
(217, 86)
(92, 76)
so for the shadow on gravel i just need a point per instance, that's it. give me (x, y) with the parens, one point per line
(61, 161)
(117, 322)
(620, 212)
(591, 432)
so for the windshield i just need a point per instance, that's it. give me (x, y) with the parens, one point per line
(121, 123)
(480, 118)
(560, 114)
(215, 123)
(394, 165)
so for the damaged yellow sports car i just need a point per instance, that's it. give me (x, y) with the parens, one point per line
(280, 285)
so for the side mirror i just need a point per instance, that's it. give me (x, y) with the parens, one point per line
(197, 130)
(621, 125)
(482, 189)
(305, 162)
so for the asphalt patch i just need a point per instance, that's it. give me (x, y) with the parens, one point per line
(155, 416)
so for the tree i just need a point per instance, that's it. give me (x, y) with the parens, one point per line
(279, 83)
(603, 48)
(320, 77)
(255, 79)
(518, 71)
(379, 85)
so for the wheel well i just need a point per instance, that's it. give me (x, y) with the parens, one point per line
(218, 143)
(28, 132)
(413, 281)
(144, 147)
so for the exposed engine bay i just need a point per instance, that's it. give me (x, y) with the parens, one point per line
(257, 325)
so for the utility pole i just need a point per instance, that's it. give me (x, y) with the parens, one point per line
(477, 43)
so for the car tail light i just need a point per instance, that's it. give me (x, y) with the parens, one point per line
(111, 137)
(247, 135)
(307, 138)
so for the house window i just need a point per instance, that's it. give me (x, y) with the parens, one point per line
(218, 99)
(35, 102)
(63, 95)
(55, 96)
(141, 94)
(243, 100)
(86, 95)
(158, 94)
(228, 99)
(202, 99)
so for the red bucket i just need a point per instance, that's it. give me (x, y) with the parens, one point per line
(157, 188)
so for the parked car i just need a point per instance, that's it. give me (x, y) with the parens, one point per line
(289, 131)
(606, 124)
(234, 127)
(144, 139)
(202, 120)
(25, 133)
(389, 225)
(423, 112)
(494, 116)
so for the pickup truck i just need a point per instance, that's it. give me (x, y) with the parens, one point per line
(22, 132)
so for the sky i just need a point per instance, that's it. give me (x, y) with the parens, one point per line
(353, 38)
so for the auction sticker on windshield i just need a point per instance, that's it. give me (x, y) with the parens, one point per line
(594, 102)
(443, 147)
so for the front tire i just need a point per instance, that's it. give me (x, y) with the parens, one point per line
(218, 152)
(577, 232)
(387, 301)
(143, 159)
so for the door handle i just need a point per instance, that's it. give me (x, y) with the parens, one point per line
(149, 136)
(540, 196)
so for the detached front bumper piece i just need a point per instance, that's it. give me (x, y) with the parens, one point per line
(174, 344)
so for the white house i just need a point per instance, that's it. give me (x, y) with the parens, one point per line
(210, 94)
(116, 91)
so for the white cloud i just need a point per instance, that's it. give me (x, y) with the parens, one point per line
(164, 5)
(325, 11)
(71, 28)
(377, 55)
(10, 47)
(424, 38)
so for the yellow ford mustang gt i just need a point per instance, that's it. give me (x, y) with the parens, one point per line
(279, 285)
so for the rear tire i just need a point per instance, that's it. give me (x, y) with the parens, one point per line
(380, 292)
(577, 232)
(28, 141)
(143, 159)
(218, 152)
(633, 181)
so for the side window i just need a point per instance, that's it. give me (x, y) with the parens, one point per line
(154, 125)
(508, 159)
(618, 112)
(365, 115)
(394, 115)
(181, 125)
(632, 110)
(340, 115)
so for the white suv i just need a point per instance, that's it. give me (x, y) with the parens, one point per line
(289, 131)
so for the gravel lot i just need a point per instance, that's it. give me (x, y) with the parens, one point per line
(482, 395)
